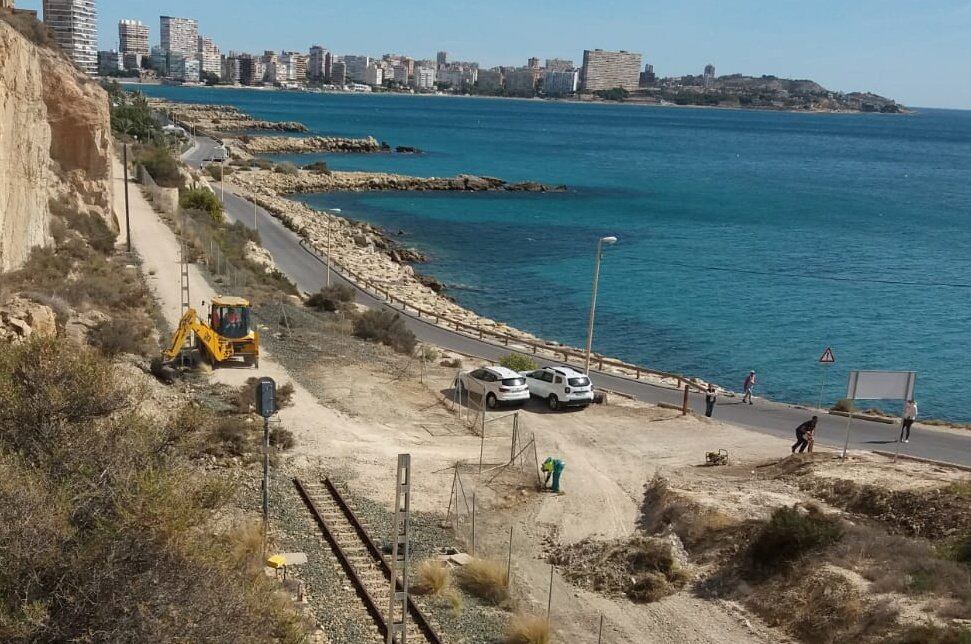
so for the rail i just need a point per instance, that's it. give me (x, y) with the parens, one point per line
(418, 616)
(478, 333)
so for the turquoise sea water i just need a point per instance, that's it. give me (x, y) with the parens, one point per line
(747, 239)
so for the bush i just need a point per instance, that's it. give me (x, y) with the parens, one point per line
(162, 166)
(433, 577)
(124, 333)
(788, 535)
(91, 227)
(231, 437)
(286, 168)
(486, 580)
(844, 405)
(518, 362)
(318, 167)
(961, 550)
(219, 170)
(527, 629)
(30, 28)
(282, 439)
(262, 164)
(245, 396)
(332, 298)
(202, 199)
(386, 327)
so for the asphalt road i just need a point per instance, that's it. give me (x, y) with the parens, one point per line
(307, 271)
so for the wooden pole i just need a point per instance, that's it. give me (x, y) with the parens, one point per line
(684, 404)
(127, 213)
(549, 602)
(509, 558)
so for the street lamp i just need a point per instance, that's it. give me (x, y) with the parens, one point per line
(330, 224)
(603, 241)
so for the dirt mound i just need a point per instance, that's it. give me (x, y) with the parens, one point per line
(932, 514)
(645, 569)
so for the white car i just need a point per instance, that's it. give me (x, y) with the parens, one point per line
(560, 386)
(497, 385)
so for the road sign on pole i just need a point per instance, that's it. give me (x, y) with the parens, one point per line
(827, 357)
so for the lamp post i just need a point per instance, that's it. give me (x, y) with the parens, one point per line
(608, 241)
(330, 224)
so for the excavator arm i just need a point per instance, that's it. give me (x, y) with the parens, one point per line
(215, 346)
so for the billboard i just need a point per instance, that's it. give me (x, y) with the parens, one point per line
(881, 385)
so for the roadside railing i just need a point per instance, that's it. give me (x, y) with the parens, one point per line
(505, 339)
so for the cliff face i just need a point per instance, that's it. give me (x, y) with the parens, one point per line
(55, 136)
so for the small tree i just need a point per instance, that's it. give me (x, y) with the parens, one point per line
(202, 199)
(387, 328)
(518, 362)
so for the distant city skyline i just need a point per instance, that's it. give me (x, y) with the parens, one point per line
(913, 53)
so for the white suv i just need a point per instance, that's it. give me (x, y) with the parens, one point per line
(496, 384)
(560, 386)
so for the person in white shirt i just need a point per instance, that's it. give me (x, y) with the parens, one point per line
(910, 415)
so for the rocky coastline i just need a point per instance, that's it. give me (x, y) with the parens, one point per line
(219, 118)
(303, 145)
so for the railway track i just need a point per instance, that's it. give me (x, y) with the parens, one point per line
(360, 558)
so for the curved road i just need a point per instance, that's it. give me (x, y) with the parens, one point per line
(307, 271)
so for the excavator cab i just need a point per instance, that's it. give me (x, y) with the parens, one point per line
(227, 335)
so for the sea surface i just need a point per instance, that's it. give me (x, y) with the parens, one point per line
(747, 240)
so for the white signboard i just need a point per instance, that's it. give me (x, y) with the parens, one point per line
(881, 385)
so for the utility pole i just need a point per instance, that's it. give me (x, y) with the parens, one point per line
(266, 406)
(127, 213)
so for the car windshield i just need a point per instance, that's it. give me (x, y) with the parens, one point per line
(579, 382)
(231, 321)
(513, 382)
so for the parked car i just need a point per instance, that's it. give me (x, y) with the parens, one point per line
(560, 386)
(497, 385)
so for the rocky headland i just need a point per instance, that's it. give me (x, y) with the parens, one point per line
(219, 118)
(309, 144)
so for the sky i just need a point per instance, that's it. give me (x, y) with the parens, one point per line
(917, 52)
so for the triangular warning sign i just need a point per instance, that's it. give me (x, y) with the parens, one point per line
(827, 357)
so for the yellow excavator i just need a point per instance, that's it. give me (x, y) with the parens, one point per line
(227, 336)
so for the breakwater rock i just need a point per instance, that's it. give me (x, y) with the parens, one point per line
(305, 181)
(288, 144)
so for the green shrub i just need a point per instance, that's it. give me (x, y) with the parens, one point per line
(219, 170)
(332, 298)
(286, 168)
(788, 535)
(386, 327)
(204, 200)
(282, 439)
(961, 550)
(162, 166)
(518, 362)
(318, 167)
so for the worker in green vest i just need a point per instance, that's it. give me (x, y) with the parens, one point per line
(547, 468)
(558, 467)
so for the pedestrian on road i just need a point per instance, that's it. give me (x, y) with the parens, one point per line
(748, 386)
(804, 434)
(910, 415)
(710, 398)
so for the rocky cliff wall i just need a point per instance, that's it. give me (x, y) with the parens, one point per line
(55, 138)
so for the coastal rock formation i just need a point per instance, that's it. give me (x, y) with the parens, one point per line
(304, 181)
(219, 118)
(21, 318)
(55, 136)
(288, 144)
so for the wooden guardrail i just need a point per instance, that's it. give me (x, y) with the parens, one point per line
(478, 332)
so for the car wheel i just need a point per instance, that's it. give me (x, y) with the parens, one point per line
(553, 402)
(491, 401)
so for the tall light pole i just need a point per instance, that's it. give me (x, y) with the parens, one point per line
(593, 299)
(330, 224)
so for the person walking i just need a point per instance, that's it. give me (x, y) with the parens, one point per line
(710, 398)
(804, 434)
(748, 386)
(910, 415)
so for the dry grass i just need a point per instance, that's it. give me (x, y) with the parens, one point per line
(527, 629)
(790, 534)
(432, 577)
(700, 528)
(486, 580)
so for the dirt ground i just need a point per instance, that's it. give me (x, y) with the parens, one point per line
(354, 414)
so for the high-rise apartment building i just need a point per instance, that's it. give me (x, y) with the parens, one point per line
(648, 77)
(442, 59)
(521, 82)
(338, 73)
(230, 69)
(488, 80)
(533, 62)
(110, 62)
(356, 67)
(75, 27)
(709, 75)
(208, 56)
(424, 78)
(296, 65)
(604, 70)
(319, 64)
(132, 37)
(559, 64)
(179, 35)
(557, 83)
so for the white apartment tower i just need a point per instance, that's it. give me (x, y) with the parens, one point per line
(75, 27)
(209, 57)
(604, 70)
(179, 35)
(132, 37)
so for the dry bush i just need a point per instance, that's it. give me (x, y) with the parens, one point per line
(232, 436)
(486, 580)
(790, 533)
(844, 405)
(286, 168)
(32, 29)
(527, 629)
(262, 164)
(933, 634)
(282, 438)
(245, 397)
(317, 167)
(90, 226)
(332, 298)
(432, 577)
(126, 332)
(386, 327)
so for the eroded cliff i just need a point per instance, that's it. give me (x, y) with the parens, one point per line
(55, 138)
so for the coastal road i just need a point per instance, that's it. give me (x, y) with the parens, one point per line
(778, 419)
